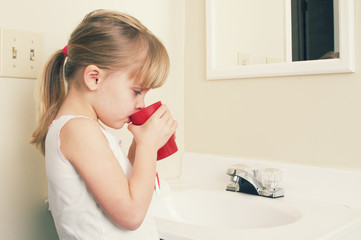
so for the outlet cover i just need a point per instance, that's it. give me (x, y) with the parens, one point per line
(21, 53)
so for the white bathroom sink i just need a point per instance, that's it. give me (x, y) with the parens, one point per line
(222, 209)
(319, 204)
(213, 214)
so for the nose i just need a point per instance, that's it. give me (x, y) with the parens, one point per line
(140, 104)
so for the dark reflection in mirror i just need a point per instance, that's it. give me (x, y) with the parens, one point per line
(314, 27)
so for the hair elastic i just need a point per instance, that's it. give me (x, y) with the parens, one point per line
(65, 51)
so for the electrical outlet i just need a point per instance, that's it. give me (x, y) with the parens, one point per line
(242, 58)
(21, 53)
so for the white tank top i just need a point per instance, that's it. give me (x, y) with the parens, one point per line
(76, 214)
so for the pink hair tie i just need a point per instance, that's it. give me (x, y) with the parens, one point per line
(65, 51)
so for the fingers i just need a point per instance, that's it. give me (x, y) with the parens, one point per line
(163, 113)
(174, 126)
(160, 112)
(168, 119)
(157, 129)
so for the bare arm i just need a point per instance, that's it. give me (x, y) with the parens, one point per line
(125, 201)
(131, 152)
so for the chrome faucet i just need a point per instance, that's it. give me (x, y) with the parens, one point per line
(263, 183)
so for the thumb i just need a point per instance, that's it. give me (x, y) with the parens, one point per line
(130, 127)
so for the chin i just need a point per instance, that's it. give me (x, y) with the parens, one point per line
(115, 125)
(119, 126)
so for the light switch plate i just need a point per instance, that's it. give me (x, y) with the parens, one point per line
(21, 53)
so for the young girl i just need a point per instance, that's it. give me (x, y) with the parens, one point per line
(103, 74)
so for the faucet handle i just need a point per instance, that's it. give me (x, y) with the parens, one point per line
(271, 178)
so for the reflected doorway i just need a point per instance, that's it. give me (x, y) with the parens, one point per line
(314, 27)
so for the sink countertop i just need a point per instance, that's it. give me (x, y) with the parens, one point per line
(328, 199)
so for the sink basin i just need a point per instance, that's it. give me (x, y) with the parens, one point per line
(222, 209)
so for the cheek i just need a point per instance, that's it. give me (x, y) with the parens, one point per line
(114, 99)
(118, 106)
(107, 107)
(114, 103)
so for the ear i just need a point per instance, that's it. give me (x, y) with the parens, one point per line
(92, 77)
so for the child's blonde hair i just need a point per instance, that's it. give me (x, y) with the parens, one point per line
(110, 40)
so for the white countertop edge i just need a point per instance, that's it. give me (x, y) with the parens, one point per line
(343, 186)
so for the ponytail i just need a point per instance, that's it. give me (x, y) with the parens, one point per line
(53, 90)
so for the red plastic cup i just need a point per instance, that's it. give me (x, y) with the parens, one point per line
(142, 116)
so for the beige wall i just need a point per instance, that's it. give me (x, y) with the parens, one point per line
(23, 187)
(313, 119)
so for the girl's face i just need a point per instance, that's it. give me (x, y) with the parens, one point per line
(117, 98)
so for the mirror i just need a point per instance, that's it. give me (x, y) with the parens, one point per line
(248, 38)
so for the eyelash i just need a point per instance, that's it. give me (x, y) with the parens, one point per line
(137, 92)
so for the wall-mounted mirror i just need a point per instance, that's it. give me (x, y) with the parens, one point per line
(259, 38)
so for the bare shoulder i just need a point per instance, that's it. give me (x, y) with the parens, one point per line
(80, 137)
(80, 128)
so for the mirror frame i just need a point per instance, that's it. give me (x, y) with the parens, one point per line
(344, 64)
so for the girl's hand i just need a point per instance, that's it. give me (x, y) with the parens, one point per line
(156, 131)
